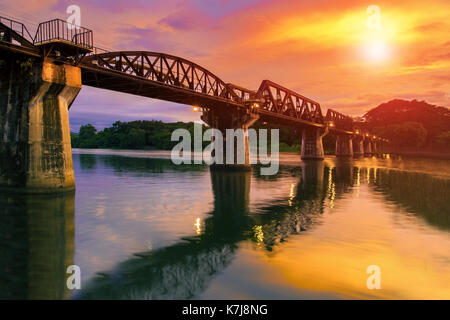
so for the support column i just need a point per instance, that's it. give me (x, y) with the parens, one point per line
(35, 149)
(374, 148)
(358, 146)
(344, 146)
(312, 146)
(226, 119)
(367, 148)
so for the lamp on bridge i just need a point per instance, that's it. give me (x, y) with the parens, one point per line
(356, 131)
(195, 108)
(330, 124)
(253, 104)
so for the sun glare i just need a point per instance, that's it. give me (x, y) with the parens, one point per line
(377, 51)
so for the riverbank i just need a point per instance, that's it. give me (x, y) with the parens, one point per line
(423, 154)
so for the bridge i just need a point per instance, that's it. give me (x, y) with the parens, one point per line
(42, 75)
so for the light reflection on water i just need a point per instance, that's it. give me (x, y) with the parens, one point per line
(143, 228)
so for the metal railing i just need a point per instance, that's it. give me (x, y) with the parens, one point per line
(17, 27)
(58, 29)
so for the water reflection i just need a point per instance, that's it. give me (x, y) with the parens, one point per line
(182, 271)
(419, 193)
(37, 236)
(37, 245)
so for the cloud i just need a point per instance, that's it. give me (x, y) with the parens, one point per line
(184, 20)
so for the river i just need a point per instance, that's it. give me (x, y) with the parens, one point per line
(140, 227)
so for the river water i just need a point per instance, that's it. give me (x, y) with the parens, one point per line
(140, 227)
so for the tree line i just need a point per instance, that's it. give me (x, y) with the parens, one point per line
(155, 134)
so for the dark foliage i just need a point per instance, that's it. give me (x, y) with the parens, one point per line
(411, 123)
(130, 135)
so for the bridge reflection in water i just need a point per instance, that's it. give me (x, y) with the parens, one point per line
(37, 244)
(35, 256)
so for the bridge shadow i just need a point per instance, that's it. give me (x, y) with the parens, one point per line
(37, 245)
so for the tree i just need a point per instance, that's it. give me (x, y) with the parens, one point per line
(87, 136)
(405, 135)
(87, 131)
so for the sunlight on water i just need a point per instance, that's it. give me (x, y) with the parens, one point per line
(140, 227)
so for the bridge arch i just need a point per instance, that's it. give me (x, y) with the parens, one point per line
(165, 69)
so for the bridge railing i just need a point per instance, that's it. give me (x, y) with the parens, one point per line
(60, 30)
(281, 100)
(17, 27)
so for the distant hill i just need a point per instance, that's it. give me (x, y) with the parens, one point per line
(403, 121)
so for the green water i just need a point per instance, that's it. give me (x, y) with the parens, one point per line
(140, 227)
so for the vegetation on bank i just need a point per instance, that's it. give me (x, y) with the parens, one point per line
(130, 135)
(155, 135)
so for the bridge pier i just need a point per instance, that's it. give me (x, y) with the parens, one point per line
(367, 148)
(374, 148)
(358, 146)
(239, 154)
(312, 146)
(35, 147)
(344, 146)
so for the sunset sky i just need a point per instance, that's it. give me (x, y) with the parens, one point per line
(324, 50)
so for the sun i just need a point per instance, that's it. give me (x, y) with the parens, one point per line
(377, 51)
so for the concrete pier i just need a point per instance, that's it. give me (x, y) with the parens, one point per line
(344, 146)
(367, 148)
(239, 154)
(358, 146)
(312, 146)
(35, 149)
(374, 148)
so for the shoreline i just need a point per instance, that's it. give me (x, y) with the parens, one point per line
(424, 154)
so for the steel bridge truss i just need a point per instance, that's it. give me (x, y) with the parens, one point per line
(165, 69)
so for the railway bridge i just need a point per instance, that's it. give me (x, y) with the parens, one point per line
(41, 76)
